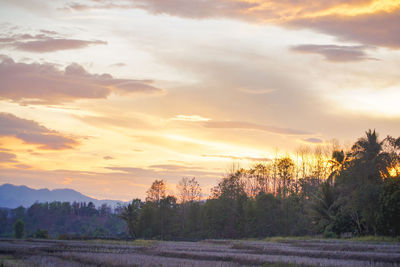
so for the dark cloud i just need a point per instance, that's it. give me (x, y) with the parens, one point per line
(334, 53)
(7, 157)
(44, 83)
(252, 126)
(52, 45)
(378, 29)
(31, 132)
(236, 157)
(46, 41)
(313, 140)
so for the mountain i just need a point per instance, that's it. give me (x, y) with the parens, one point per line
(12, 196)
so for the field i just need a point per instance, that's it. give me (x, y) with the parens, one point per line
(273, 252)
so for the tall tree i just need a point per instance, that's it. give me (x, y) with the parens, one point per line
(130, 214)
(157, 191)
(188, 190)
(337, 164)
(285, 171)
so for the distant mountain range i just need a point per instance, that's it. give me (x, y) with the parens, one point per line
(12, 196)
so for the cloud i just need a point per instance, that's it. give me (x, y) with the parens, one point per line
(119, 64)
(252, 126)
(44, 83)
(189, 118)
(236, 157)
(173, 167)
(377, 29)
(313, 140)
(46, 41)
(372, 22)
(107, 157)
(52, 45)
(31, 132)
(334, 53)
(169, 171)
(7, 157)
(256, 92)
(199, 9)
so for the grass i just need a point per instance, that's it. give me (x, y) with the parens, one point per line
(274, 252)
(290, 238)
(281, 264)
(136, 242)
(370, 238)
(9, 260)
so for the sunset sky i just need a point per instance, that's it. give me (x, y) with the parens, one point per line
(106, 96)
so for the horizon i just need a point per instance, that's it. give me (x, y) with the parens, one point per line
(105, 97)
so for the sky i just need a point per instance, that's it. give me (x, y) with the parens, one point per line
(106, 96)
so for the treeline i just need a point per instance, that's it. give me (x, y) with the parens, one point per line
(349, 193)
(63, 220)
(331, 192)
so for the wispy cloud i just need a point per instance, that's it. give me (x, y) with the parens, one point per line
(253, 126)
(313, 140)
(334, 53)
(45, 42)
(189, 118)
(237, 157)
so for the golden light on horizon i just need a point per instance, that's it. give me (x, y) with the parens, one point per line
(394, 172)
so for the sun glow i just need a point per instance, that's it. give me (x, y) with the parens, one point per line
(356, 10)
(394, 172)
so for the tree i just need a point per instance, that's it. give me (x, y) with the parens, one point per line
(189, 190)
(323, 211)
(130, 214)
(368, 147)
(42, 234)
(389, 213)
(19, 229)
(368, 153)
(157, 191)
(337, 164)
(285, 171)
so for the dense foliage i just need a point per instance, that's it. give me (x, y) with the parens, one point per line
(64, 220)
(330, 192)
(350, 193)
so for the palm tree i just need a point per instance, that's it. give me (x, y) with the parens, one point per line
(338, 163)
(369, 152)
(367, 148)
